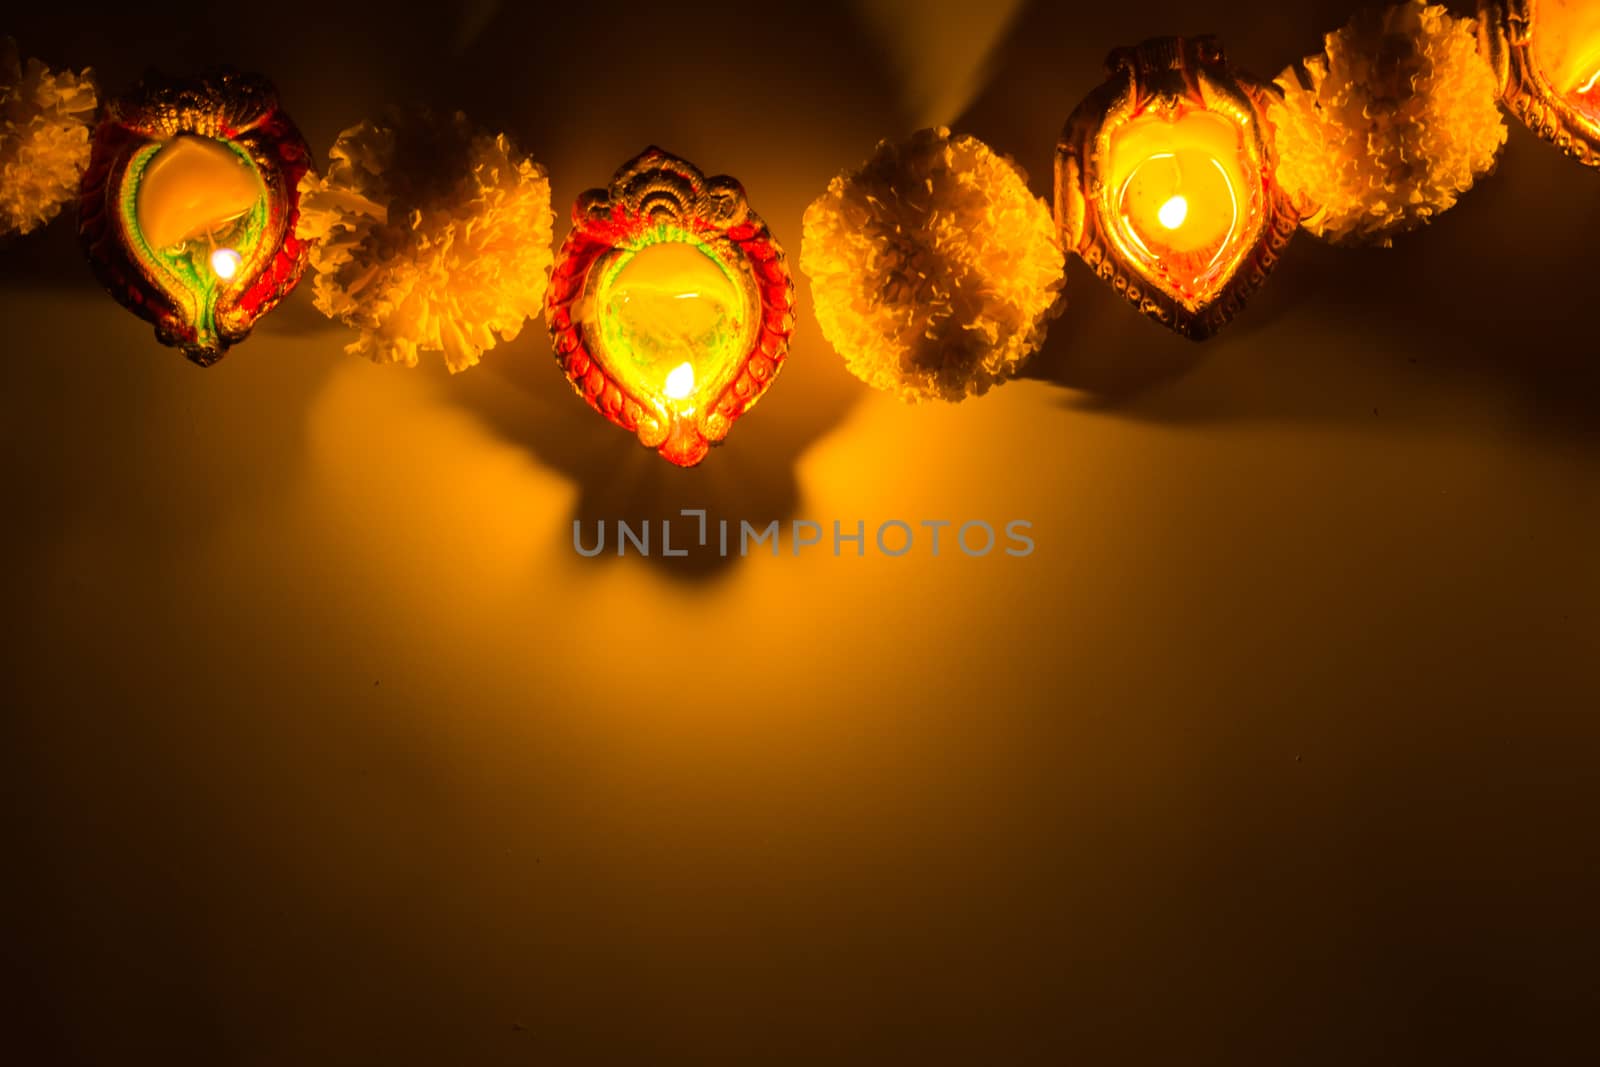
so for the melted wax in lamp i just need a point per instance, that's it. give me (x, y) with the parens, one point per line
(191, 195)
(1176, 198)
(1587, 97)
(677, 318)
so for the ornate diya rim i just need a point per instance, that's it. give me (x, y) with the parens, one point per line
(1169, 71)
(239, 110)
(1505, 38)
(652, 190)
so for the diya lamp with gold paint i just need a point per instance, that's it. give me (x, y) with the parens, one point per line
(670, 304)
(187, 208)
(1165, 184)
(1546, 56)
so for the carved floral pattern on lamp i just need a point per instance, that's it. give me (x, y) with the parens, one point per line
(187, 209)
(670, 304)
(1166, 184)
(1546, 55)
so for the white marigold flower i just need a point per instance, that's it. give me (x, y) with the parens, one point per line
(44, 138)
(933, 268)
(431, 237)
(1389, 126)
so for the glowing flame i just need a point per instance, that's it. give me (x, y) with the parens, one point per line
(225, 262)
(1173, 212)
(680, 382)
(1589, 86)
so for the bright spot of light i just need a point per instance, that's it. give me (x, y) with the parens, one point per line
(680, 381)
(1173, 212)
(225, 262)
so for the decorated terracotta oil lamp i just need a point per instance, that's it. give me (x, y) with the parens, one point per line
(670, 305)
(1165, 184)
(1546, 54)
(187, 208)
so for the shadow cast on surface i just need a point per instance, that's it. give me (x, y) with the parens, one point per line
(520, 393)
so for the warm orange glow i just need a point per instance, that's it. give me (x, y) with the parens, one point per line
(673, 323)
(1178, 198)
(193, 187)
(1564, 40)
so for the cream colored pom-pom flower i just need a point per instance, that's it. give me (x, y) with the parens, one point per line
(933, 269)
(431, 236)
(1389, 126)
(44, 138)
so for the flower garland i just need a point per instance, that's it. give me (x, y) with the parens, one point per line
(935, 272)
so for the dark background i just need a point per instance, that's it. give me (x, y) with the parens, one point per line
(321, 746)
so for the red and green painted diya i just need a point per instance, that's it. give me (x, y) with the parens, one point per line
(670, 305)
(187, 209)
